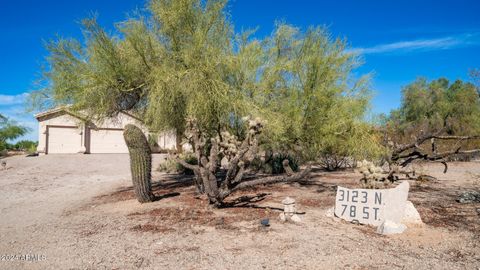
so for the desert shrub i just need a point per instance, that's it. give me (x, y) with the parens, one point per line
(258, 165)
(168, 166)
(32, 149)
(332, 162)
(25, 145)
(172, 166)
(275, 163)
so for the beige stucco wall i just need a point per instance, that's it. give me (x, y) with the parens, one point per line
(166, 140)
(62, 120)
(118, 122)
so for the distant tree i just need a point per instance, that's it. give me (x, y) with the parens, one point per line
(9, 130)
(26, 145)
(453, 108)
(475, 76)
(436, 120)
(183, 67)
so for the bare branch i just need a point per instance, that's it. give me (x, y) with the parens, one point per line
(194, 168)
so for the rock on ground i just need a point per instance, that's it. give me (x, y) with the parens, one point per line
(469, 197)
(390, 227)
(411, 215)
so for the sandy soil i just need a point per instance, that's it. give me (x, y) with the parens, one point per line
(79, 212)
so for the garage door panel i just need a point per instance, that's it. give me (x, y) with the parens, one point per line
(107, 141)
(64, 140)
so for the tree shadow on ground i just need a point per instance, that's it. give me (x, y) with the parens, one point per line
(247, 201)
(165, 196)
(167, 186)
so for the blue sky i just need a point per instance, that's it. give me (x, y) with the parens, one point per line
(399, 40)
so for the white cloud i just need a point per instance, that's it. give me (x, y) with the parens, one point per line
(421, 44)
(13, 99)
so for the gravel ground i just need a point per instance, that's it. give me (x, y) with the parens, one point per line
(78, 212)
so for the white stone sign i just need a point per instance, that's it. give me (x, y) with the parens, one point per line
(372, 206)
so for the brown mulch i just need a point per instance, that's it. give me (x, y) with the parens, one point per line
(191, 211)
(435, 201)
(167, 219)
(437, 205)
(317, 202)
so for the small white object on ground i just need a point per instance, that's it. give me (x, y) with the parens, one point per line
(390, 227)
(295, 218)
(289, 211)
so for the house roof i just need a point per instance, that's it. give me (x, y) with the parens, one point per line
(65, 109)
(52, 111)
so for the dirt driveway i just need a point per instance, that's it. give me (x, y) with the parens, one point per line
(78, 212)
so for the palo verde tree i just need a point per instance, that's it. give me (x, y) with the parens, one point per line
(475, 76)
(182, 67)
(319, 107)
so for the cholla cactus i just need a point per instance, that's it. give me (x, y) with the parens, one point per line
(229, 144)
(140, 162)
(373, 176)
(255, 126)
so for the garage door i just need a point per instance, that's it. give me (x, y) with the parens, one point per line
(63, 140)
(107, 141)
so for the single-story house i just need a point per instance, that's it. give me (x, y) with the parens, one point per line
(63, 131)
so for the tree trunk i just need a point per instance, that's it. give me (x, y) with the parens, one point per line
(178, 142)
(140, 163)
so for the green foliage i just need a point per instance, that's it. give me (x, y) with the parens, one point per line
(25, 145)
(9, 130)
(475, 76)
(153, 141)
(317, 107)
(182, 60)
(168, 166)
(435, 106)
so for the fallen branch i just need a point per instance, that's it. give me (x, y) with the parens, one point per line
(405, 154)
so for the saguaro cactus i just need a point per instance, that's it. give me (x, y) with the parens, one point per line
(140, 162)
